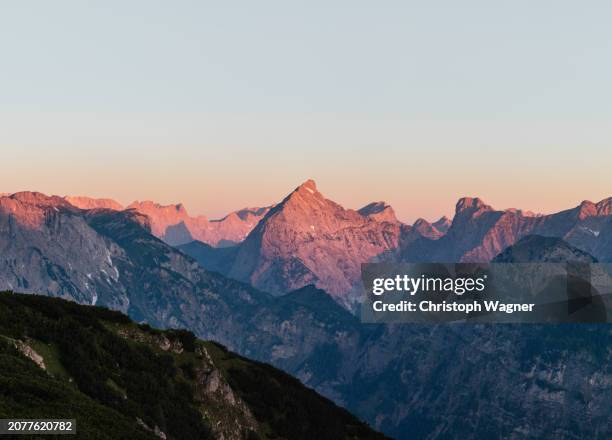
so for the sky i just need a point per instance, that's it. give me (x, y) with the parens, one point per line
(222, 105)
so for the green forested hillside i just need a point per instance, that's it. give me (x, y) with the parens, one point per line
(128, 381)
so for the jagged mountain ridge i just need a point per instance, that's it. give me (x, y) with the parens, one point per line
(283, 268)
(96, 257)
(174, 225)
(408, 390)
(308, 239)
(478, 232)
(290, 254)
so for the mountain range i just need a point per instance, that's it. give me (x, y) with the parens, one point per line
(308, 239)
(174, 225)
(409, 381)
(478, 232)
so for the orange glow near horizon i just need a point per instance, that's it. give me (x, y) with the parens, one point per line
(214, 203)
(215, 164)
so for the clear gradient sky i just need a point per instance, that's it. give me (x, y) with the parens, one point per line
(222, 105)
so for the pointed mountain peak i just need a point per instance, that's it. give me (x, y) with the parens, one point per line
(307, 212)
(309, 186)
(306, 195)
(471, 204)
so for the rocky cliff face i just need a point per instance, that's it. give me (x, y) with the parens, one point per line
(101, 257)
(308, 239)
(47, 246)
(493, 381)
